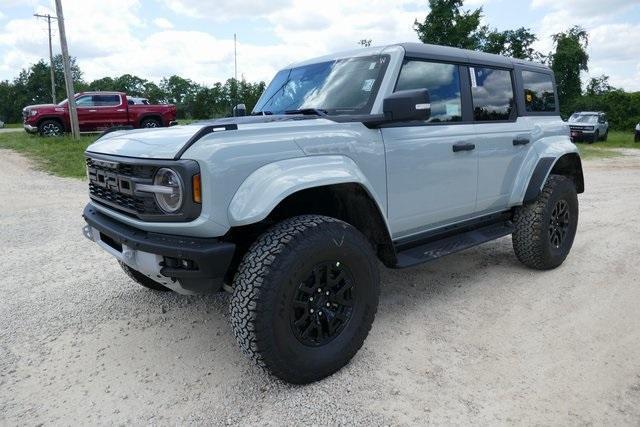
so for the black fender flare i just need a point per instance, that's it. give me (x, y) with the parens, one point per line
(568, 165)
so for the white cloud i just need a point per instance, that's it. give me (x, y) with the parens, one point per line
(120, 36)
(163, 23)
(225, 9)
(610, 50)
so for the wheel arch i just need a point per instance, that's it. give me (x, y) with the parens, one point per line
(323, 185)
(146, 116)
(569, 165)
(56, 118)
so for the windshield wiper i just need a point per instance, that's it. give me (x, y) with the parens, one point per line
(263, 113)
(308, 111)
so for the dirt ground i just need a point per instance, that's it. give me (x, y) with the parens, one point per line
(471, 338)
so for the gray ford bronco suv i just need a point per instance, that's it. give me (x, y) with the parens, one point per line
(400, 154)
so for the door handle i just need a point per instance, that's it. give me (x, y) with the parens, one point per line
(120, 110)
(521, 141)
(463, 146)
(93, 111)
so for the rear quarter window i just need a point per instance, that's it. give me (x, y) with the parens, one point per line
(539, 95)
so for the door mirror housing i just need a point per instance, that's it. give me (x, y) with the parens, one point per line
(407, 106)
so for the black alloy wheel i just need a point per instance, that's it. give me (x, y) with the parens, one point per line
(323, 304)
(559, 223)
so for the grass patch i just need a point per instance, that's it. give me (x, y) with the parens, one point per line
(13, 125)
(61, 156)
(606, 149)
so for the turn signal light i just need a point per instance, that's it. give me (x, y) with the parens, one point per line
(197, 188)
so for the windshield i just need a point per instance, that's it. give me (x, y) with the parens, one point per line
(345, 86)
(586, 118)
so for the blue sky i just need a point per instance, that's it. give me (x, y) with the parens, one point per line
(194, 38)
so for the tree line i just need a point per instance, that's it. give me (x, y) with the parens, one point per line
(192, 100)
(447, 23)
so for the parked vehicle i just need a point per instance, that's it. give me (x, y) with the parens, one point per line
(97, 111)
(590, 126)
(402, 154)
(637, 135)
(1, 124)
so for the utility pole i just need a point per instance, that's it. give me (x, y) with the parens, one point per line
(53, 81)
(68, 78)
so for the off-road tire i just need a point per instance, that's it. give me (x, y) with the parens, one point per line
(268, 282)
(49, 128)
(141, 279)
(150, 123)
(533, 222)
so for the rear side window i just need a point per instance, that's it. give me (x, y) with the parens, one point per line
(538, 92)
(443, 83)
(106, 100)
(492, 93)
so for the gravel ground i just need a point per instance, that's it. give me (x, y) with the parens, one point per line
(471, 338)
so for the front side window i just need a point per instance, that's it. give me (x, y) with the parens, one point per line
(344, 86)
(538, 92)
(84, 101)
(443, 83)
(492, 94)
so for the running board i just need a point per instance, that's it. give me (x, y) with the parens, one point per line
(448, 245)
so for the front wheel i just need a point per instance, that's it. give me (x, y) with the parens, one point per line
(305, 297)
(50, 128)
(545, 228)
(606, 135)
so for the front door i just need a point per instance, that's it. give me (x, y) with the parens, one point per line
(432, 167)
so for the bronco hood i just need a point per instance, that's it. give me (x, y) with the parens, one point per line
(170, 143)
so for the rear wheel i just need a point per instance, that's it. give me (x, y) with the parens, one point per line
(545, 229)
(141, 279)
(50, 128)
(150, 123)
(305, 297)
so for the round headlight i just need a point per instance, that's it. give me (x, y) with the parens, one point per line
(171, 199)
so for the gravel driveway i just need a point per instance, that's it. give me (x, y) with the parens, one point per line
(471, 338)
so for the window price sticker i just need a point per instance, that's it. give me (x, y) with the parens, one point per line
(472, 72)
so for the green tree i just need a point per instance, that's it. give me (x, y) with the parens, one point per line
(599, 85)
(569, 59)
(448, 25)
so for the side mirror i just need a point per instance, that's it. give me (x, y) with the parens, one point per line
(239, 110)
(407, 106)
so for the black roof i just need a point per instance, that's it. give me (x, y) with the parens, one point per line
(454, 54)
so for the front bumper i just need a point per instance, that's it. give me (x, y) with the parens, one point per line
(29, 128)
(583, 135)
(188, 265)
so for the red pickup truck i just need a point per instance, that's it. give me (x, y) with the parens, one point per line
(97, 111)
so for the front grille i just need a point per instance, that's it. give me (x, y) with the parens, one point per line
(577, 127)
(111, 184)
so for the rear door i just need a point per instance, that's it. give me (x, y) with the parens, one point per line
(432, 167)
(111, 111)
(501, 140)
